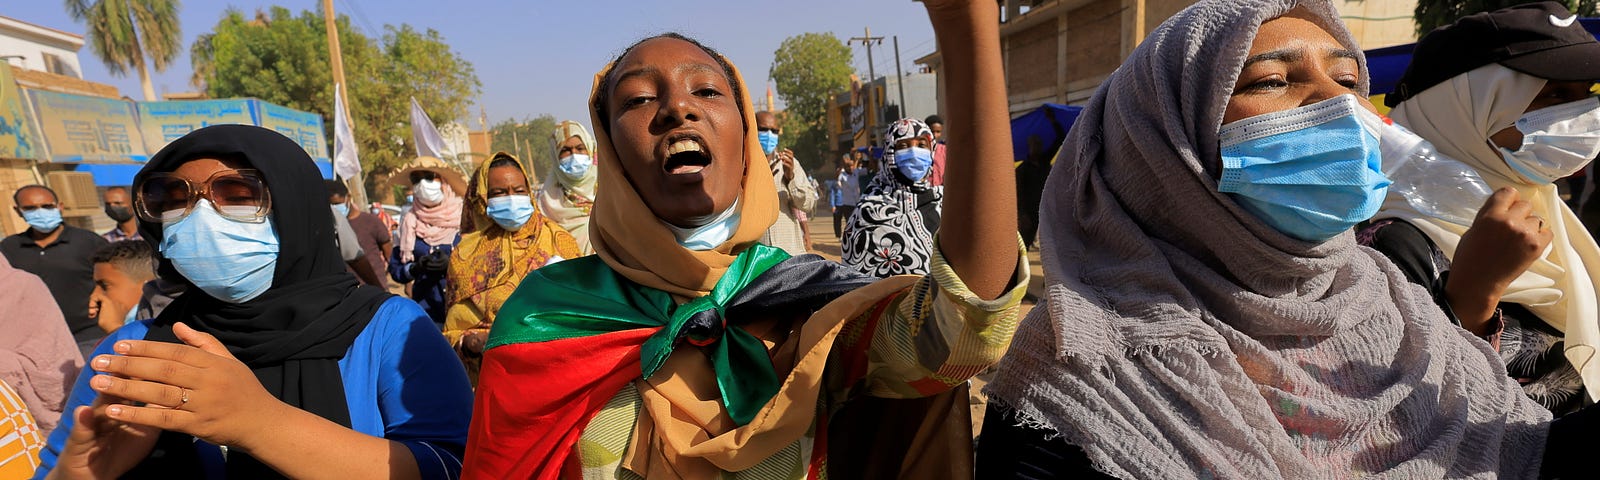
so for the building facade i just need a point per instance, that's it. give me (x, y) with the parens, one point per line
(1378, 24)
(34, 47)
(1060, 51)
(856, 118)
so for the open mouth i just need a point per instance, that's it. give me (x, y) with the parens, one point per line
(686, 155)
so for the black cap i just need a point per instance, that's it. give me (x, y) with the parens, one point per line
(1541, 39)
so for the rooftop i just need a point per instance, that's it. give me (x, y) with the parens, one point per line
(60, 38)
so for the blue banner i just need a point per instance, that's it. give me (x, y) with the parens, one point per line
(163, 122)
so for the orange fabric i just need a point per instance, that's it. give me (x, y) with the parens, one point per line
(20, 437)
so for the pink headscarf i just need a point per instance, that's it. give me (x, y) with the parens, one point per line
(435, 225)
(38, 356)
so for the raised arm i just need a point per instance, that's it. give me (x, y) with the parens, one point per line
(978, 232)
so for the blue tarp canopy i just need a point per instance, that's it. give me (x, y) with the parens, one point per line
(1387, 64)
(1049, 123)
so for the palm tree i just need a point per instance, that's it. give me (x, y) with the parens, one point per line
(131, 35)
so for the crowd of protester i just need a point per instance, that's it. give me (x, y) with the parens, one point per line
(1234, 287)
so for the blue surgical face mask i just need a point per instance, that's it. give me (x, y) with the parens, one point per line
(43, 220)
(769, 141)
(913, 162)
(511, 211)
(1311, 172)
(230, 260)
(710, 235)
(342, 209)
(574, 167)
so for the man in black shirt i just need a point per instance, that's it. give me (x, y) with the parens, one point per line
(58, 254)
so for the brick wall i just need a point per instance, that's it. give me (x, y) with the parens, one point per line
(1094, 40)
(1031, 58)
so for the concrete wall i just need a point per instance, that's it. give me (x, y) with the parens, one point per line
(1060, 51)
(922, 96)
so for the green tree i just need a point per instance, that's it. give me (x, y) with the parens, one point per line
(807, 68)
(282, 57)
(1433, 14)
(132, 35)
(530, 139)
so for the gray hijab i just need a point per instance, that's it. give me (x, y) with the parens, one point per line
(1183, 338)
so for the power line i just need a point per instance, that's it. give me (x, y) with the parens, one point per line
(360, 17)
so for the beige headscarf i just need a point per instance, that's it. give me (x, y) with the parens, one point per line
(568, 201)
(1458, 116)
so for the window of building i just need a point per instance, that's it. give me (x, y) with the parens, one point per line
(54, 64)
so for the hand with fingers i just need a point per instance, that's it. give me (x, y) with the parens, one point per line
(1505, 239)
(787, 157)
(101, 447)
(197, 388)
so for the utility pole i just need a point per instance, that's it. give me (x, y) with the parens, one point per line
(358, 189)
(900, 78)
(872, 74)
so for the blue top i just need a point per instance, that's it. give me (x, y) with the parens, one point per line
(401, 380)
(428, 288)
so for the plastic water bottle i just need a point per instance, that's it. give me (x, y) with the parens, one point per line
(1433, 184)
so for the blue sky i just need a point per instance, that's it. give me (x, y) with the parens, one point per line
(540, 56)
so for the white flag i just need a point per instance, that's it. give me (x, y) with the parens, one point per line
(429, 142)
(346, 164)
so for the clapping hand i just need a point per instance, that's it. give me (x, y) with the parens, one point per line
(197, 388)
(101, 447)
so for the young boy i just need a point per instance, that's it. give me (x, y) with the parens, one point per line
(120, 272)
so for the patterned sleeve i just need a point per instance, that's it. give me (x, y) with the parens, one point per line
(930, 337)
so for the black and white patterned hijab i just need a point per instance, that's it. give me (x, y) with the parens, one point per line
(891, 231)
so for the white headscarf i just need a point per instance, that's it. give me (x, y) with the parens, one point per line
(565, 200)
(1182, 337)
(1458, 116)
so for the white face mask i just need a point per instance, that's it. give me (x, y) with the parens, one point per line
(1556, 141)
(429, 192)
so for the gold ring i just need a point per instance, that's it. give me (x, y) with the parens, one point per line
(183, 400)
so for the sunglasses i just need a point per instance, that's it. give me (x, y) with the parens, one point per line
(768, 130)
(239, 195)
(423, 175)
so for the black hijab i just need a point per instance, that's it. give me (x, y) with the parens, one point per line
(293, 335)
